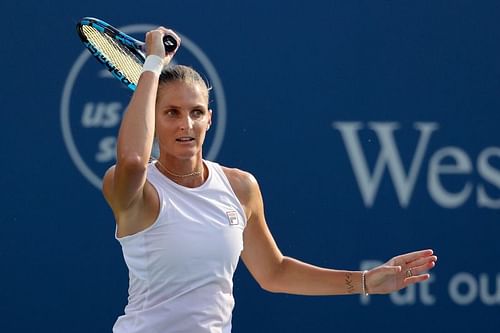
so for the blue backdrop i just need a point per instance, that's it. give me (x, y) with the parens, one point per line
(372, 127)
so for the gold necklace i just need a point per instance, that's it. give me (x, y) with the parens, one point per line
(191, 174)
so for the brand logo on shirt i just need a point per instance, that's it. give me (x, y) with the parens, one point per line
(232, 216)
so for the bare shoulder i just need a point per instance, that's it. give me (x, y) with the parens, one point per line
(234, 174)
(244, 185)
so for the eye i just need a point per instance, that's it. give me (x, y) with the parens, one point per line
(197, 113)
(171, 112)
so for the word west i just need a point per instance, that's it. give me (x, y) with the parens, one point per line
(447, 161)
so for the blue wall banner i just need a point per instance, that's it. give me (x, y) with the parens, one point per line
(371, 126)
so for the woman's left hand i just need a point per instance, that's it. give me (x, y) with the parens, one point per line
(400, 272)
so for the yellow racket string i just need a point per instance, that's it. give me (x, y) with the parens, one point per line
(117, 54)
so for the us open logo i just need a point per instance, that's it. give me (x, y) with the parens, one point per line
(93, 103)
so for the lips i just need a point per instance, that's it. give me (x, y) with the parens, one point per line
(185, 139)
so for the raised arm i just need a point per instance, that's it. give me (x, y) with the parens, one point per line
(277, 273)
(124, 183)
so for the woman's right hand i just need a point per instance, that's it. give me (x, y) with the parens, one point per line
(154, 43)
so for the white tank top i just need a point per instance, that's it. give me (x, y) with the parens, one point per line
(181, 267)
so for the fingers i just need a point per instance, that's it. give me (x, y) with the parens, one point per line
(415, 265)
(407, 258)
(415, 279)
(170, 32)
(421, 264)
(414, 273)
(424, 267)
(154, 42)
(422, 261)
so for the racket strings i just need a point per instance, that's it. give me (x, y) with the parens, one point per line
(117, 54)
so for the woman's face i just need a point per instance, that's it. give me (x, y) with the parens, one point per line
(182, 119)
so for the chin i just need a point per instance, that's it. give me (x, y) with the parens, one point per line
(188, 155)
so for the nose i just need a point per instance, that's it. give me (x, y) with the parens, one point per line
(186, 123)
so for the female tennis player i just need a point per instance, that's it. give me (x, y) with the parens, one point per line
(183, 222)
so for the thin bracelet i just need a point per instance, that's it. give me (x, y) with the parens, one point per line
(363, 283)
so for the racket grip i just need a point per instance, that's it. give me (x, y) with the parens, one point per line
(170, 43)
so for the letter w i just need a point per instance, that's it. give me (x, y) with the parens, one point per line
(388, 157)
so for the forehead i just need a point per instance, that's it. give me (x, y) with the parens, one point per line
(182, 93)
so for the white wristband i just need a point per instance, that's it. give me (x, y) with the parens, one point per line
(153, 64)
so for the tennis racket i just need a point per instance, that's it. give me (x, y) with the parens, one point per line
(121, 54)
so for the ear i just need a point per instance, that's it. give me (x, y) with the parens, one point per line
(209, 119)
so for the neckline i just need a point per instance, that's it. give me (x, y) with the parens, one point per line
(171, 182)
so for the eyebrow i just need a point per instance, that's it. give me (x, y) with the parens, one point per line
(196, 106)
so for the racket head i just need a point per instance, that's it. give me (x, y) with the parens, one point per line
(121, 54)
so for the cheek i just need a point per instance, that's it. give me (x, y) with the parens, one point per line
(204, 125)
(201, 130)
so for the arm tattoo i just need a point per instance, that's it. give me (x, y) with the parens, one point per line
(348, 283)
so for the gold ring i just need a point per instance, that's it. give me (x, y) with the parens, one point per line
(409, 273)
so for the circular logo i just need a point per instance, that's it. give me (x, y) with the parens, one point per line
(93, 103)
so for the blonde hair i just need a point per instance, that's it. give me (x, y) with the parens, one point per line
(184, 74)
